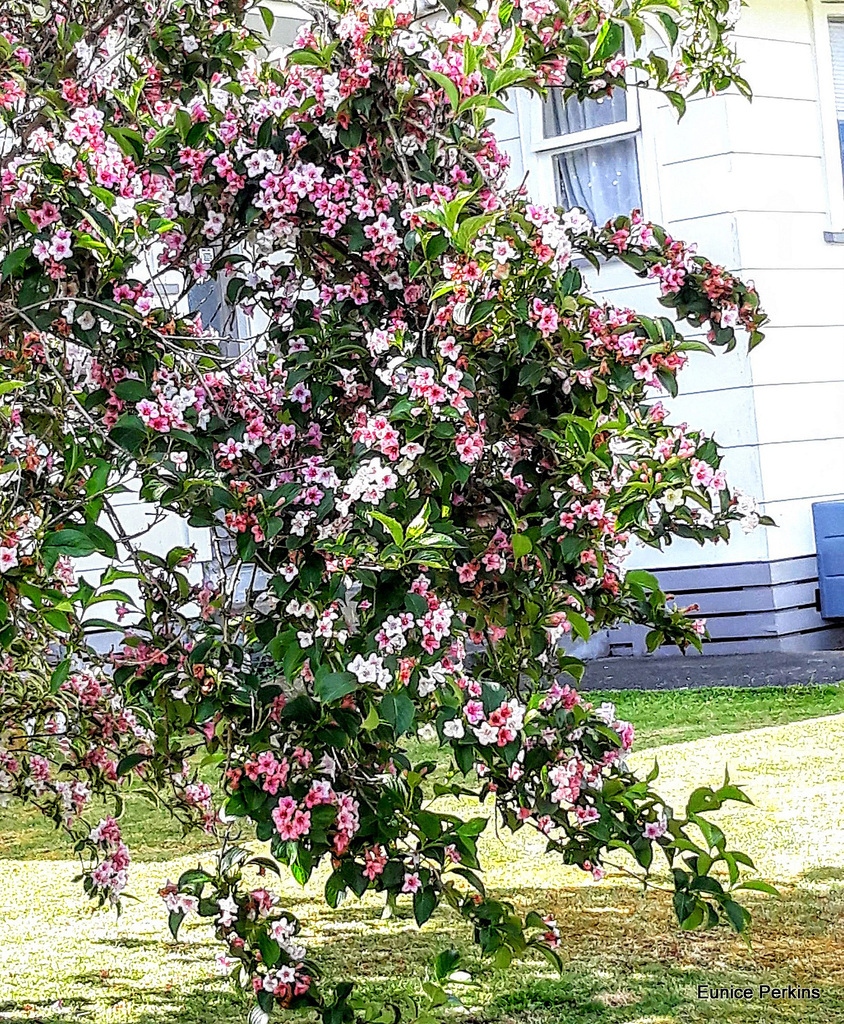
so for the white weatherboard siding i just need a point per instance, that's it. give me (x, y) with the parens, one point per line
(755, 185)
(797, 373)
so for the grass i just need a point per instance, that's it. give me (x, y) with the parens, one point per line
(625, 960)
(676, 716)
(660, 718)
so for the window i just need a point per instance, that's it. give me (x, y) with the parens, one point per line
(288, 18)
(836, 43)
(285, 29)
(593, 149)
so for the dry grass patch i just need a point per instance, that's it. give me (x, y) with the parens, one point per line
(626, 961)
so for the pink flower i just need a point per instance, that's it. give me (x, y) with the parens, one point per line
(61, 248)
(412, 883)
(375, 860)
(655, 829)
(8, 559)
(469, 446)
(474, 711)
(467, 573)
(546, 318)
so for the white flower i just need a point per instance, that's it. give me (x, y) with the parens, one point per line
(282, 929)
(410, 42)
(123, 209)
(190, 44)
(487, 734)
(224, 963)
(370, 670)
(228, 911)
(86, 321)
(331, 89)
(64, 154)
(606, 713)
(266, 603)
(673, 498)
(454, 729)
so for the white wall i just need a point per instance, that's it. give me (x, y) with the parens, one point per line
(755, 186)
(798, 373)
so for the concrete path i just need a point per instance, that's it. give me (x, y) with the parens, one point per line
(698, 671)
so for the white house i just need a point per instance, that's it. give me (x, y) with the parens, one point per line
(759, 186)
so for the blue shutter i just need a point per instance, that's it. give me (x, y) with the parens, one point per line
(829, 539)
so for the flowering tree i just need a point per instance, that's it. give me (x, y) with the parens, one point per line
(421, 469)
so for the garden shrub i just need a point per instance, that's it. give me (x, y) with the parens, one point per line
(420, 472)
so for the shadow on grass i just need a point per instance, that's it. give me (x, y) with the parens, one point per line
(825, 874)
(198, 1004)
(626, 962)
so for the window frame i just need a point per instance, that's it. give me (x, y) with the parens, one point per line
(822, 13)
(538, 152)
(631, 125)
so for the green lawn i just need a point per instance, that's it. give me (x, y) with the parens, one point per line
(659, 717)
(675, 716)
(626, 962)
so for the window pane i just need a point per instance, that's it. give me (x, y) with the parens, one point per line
(836, 38)
(602, 179)
(284, 31)
(205, 298)
(559, 118)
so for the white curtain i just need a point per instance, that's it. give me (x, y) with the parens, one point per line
(559, 118)
(602, 179)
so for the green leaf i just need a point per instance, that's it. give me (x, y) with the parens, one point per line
(126, 764)
(472, 878)
(268, 18)
(392, 525)
(302, 866)
(521, 544)
(334, 685)
(677, 100)
(59, 675)
(671, 27)
(265, 133)
(174, 922)
(610, 41)
(372, 719)
(503, 957)
(15, 261)
(27, 221)
(132, 390)
(447, 85)
(335, 890)
(757, 885)
(470, 227)
(424, 904)
(446, 963)
(399, 711)
(71, 542)
(737, 915)
(193, 880)
(642, 578)
(264, 862)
